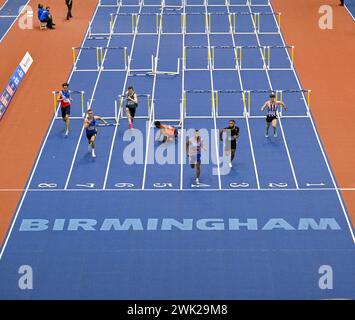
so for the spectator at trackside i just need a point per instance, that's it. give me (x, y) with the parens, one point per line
(69, 4)
(40, 10)
(47, 17)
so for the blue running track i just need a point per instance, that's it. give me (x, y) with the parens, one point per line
(107, 228)
(9, 12)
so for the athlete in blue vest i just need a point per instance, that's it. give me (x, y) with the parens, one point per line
(272, 107)
(90, 124)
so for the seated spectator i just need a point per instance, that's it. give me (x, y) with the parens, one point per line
(47, 17)
(40, 10)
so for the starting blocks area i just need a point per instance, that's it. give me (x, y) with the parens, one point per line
(272, 227)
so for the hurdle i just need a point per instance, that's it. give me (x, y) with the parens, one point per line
(267, 54)
(237, 51)
(118, 3)
(244, 99)
(142, 72)
(99, 56)
(135, 20)
(76, 59)
(115, 117)
(209, 58)
(166, 73)
(124, 53)
(256, 19)
(212, 99)
(120, 102)
(56, 103)
(279, 95)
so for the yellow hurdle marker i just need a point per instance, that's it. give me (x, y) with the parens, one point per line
(55, 101)
(230, 23)
(256, 19)
(121, 104)
(234, 22)
(97, 58)
(134, 23)
(148, 102)
(309, 98)
(240, 57)
(74, 55)
(125, 57)
(206, 23)
(217, 102)
(183, 22)
(82, 102)
(249, 98)
(244, 104)
(213, 102)
(157, 22)
(268, 57)
(236, 56)
(279, 20)
(258, 22)
(279, 97)
(264, 55)
(292, 54)
(111, 23)
(101, 57)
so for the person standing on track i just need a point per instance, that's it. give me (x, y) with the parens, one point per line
(65, 102)
(90, 125)
(69, 4)
(194, 149)
(131, 105)
(232, 134)
(169, 132)
(272, 106)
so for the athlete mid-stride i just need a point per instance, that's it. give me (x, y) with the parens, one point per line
(90, 125)
(65, 99)
(272, 106)
(194, 149)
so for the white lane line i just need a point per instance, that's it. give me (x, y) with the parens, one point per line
(37, 161)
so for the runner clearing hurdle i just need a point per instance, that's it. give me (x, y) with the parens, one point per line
(90, 126)
(272, 106)
(169, 132)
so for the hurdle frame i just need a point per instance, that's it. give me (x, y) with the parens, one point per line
(99, 57)
(56, 103)
(119, 105)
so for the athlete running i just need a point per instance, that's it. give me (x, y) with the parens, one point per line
(65, 99)
(272, 106)
(232, 134)
(194, 149)
(90, 124)
(131, 105)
